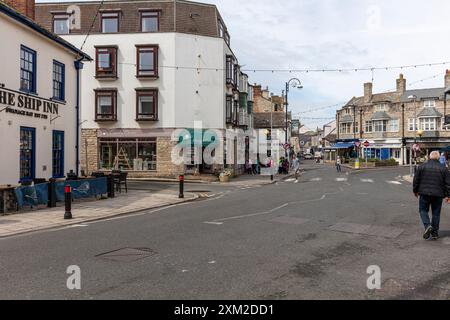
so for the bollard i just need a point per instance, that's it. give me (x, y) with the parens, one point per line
(52, 193)
(181, 179)
(271, 177)
(110, 184)
(68, 202)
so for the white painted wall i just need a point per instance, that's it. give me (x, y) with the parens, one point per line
(179, 103)
(13, 35)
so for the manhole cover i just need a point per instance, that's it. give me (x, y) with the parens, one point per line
(127, 254)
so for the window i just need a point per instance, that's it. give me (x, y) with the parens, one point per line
(394, 125)
(110, 22)
(346, 128)
(106, 105)
(27, 153)
(58, 154)
(236, 112)
(368, 127)
(229, 108)
(61, 24)
(58, 81)
(106, 62)
(381, 107)
(380, 125)
(429, 103)
(396, 153)
(137, 154)
(27, 70)
(230, 71)
(412, 126)
(356, 127)
(147, 61)
(150, 21)
(429, 124)
(147, 104)
(221, 28)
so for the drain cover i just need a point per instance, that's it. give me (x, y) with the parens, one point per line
(127, 254)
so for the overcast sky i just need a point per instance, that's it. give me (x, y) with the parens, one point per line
(317, 34)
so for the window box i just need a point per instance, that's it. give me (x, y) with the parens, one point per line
(146, 104)
(106, 105)
(147, 61)
(106, 62)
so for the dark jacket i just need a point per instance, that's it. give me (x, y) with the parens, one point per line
(432, 179)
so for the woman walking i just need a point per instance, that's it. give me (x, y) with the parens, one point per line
(338, 164)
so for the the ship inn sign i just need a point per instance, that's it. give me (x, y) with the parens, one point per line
(25, 105)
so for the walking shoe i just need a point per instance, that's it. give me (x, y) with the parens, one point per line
(435, 235)
(427, 234)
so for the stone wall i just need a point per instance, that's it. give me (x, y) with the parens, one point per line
(89, 144)
(164, 166)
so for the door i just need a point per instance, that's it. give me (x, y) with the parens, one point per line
(58, 154)
(385, 154)
(27, 154)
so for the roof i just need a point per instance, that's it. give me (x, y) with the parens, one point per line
(12, 13)
(380, 115)
(346, 119)
(422, 94)
(265, 120)
(429, 112)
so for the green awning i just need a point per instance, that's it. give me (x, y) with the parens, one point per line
(199, 137)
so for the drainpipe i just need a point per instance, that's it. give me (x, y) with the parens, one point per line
(78, 66)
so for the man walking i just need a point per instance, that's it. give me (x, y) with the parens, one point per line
(338, 164)
(431, 186)
(296, 166)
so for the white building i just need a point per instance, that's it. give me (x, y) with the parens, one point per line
(159, 66)
(38, 100)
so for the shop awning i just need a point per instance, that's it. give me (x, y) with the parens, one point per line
(341, 145)
(200, 137)
(447, 149)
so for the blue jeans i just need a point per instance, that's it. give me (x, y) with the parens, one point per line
(436, 206)
(338, 168)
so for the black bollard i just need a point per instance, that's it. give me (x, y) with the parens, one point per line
(110, 182)
(181, 179)
(52, 193)
(271, 177)
(68, 202)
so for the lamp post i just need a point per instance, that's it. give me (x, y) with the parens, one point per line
(411, 172)
(296, 83)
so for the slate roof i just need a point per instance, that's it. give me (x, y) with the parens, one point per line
(429, 113)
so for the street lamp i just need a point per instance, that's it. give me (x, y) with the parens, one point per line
(413, 98)
(295, 83)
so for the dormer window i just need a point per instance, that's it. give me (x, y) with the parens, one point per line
(429, 103)
(381, 107)
(110, 22)
(61, 24)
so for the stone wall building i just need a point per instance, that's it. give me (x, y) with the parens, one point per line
(393, 122)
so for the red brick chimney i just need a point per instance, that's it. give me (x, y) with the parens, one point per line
(25, 7)
(257, 91)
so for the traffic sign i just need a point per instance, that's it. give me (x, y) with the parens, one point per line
(366, 144)
(357, 144)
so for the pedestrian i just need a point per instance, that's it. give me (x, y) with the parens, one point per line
(248, 167)
(296, 166)
(338, 164)
(431, 186)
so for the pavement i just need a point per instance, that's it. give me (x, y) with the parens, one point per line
(87, 211)
(315, 238)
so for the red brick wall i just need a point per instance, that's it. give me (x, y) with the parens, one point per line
(26, 7)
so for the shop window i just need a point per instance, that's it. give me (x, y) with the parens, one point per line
(147, 105)
(27, 70)
(147, 61)
(150, 21)
(129, 154)
(106, 62)
(106, 105)
(58, 81)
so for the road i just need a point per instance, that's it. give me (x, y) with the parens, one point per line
(313, 239)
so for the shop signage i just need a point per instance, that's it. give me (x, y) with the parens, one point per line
(25, 105)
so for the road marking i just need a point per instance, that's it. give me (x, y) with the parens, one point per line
(290, 180)
(79, 225)
(316, 179)
(367, 180)
(296, 181)
(214, 223)
(341, 179)
(212, 262)
(394, 182)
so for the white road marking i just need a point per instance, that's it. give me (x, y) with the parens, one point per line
(79, 225)
(316, 179)
(394, 182)
(367, 180)
(290, 180)
(341, 179)
(296, 181)
(214, 223)
(212, 262)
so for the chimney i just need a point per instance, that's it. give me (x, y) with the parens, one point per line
(368, 92)
(447, 79)
(25, 7)
(401, 84)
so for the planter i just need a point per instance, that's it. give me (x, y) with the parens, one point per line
(224, 179)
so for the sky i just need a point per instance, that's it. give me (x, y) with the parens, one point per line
(335, 34)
